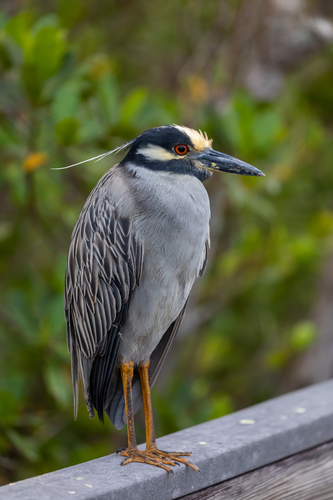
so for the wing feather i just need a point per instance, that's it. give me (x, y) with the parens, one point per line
(104, 267)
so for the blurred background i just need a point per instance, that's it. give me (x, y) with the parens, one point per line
(79, 78)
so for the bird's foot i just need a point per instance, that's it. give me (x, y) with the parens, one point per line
(136, 455)
(174, 456)
(159, 458)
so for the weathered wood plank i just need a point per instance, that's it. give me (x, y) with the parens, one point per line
(223, 449)
(305, 476)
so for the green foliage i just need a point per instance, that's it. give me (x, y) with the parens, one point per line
(59, 105)
(42, 47)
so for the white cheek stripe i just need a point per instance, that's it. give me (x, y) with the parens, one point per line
(154, 152)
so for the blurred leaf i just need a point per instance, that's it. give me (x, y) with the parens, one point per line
(58, 384)
(54, 313)
(43, 56)
(266, 127)
(4, 445)
(47, 21)
(304, 248)
(109, 98)
(19, 28)
(9, 407)
(302, 335)
(321, 223)
(19, 307)
(6, 229)
(133, 106)
(101, 67)
(66, 102)
(277, 358)
(66, 130)
(26, 445)
(3, 20)
(221, 406)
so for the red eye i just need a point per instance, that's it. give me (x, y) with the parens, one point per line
(181, 149)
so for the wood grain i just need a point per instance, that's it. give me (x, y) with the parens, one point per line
(305, 476)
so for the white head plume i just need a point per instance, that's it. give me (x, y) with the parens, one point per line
(99, 157)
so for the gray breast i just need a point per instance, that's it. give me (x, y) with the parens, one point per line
(172, 223)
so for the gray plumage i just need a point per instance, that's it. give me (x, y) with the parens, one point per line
(139, 244)
(112, 295)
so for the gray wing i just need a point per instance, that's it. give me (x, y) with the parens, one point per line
(104, 267)
(161, 352)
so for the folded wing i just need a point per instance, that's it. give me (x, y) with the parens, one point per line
(104, 267)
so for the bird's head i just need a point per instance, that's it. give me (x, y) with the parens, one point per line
(182, 150)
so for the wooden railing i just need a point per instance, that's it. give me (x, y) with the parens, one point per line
(280, 449)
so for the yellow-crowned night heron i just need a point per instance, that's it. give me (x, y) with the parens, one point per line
(139, 244)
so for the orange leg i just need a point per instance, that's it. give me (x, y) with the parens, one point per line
(152, 455)
(126, 371)
(169, 458)
(132, 453)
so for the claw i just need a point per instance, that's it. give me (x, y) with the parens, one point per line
(176, 457)
(154, 456)
(143, 457)
(123, 448)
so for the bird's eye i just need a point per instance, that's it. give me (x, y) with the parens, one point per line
(181, 149)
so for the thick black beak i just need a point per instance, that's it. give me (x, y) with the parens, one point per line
(214, 160)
